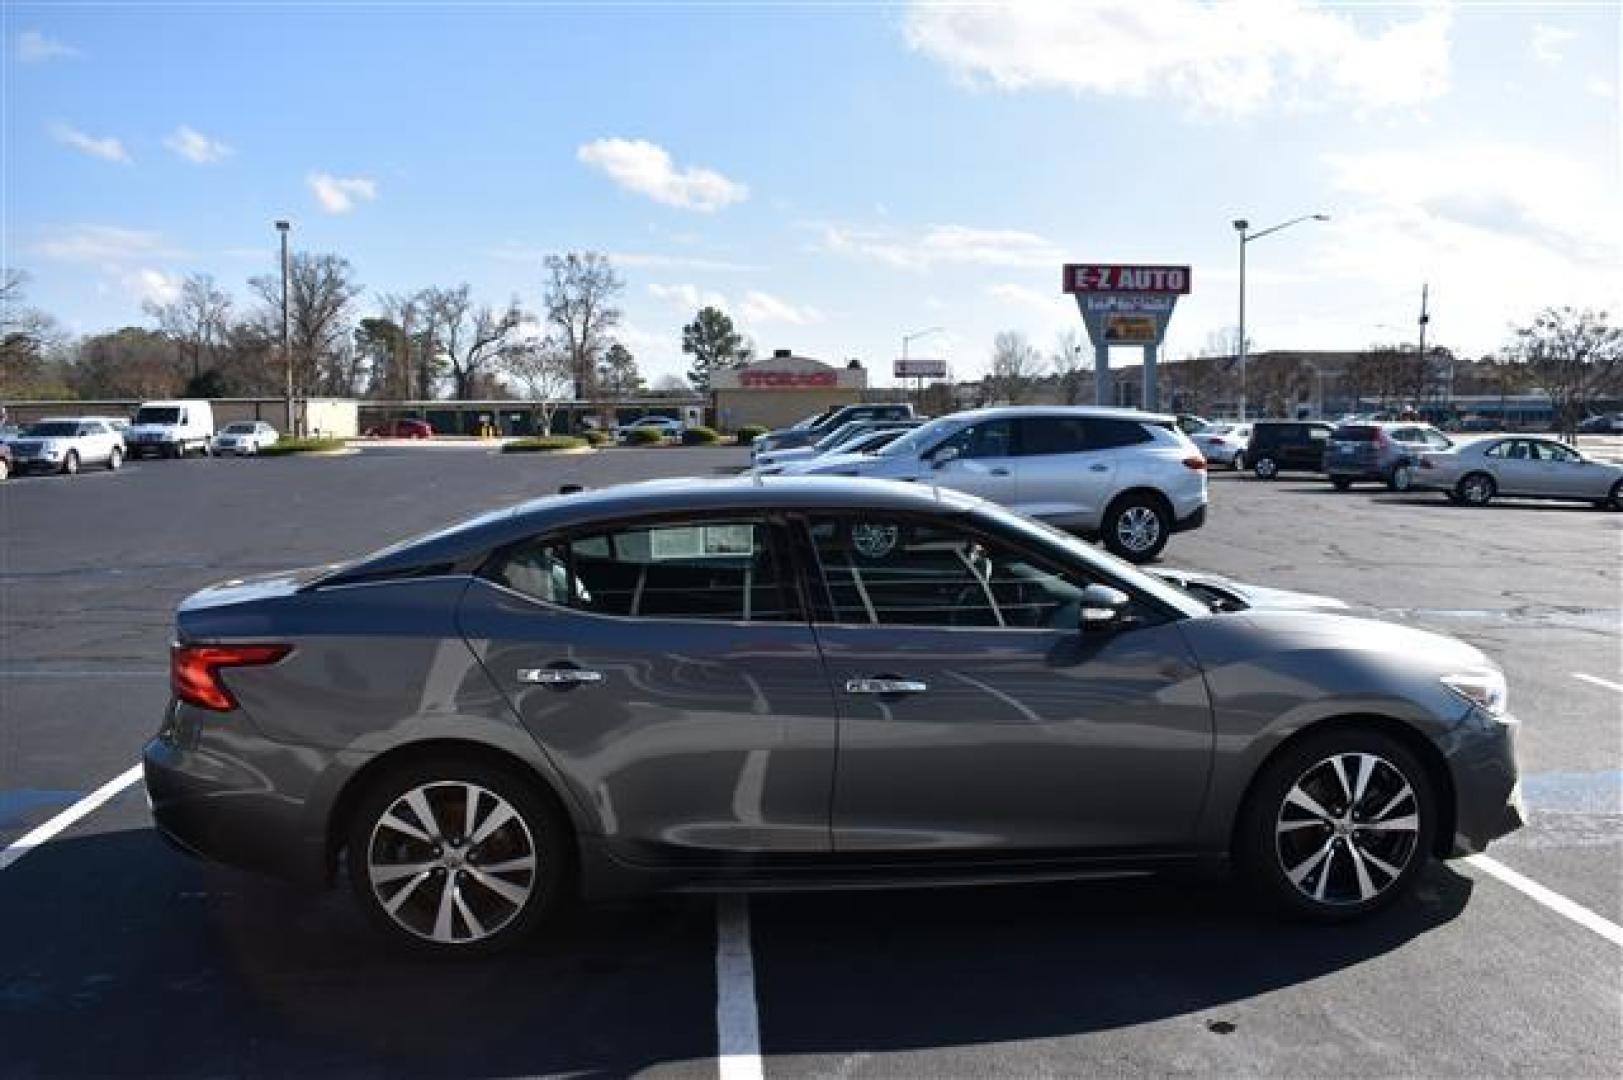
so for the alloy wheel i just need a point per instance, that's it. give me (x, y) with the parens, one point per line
(1138, 528)
(452, 862)
(1477, 489)
(1347, 829)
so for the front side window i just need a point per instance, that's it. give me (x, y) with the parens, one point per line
(896, 572)
(722, 570)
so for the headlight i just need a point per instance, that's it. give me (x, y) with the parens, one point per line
(1483, 687)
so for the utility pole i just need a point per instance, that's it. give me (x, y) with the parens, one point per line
(1425, 317)
(287, 354)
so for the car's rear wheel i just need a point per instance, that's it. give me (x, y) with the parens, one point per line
(1340, 483)
(1337, 825)
(5, 469)
(1401, 478)
(1136, 528)
(70, 464)
(457, 858)
(1238, 464)
(1476, 489)
(115, 459)
(1615, 498)
(1266, 468)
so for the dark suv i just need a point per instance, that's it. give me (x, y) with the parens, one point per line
(1278, 446)
(1383, 452)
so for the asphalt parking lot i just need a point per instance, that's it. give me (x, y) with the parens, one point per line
(118, 956)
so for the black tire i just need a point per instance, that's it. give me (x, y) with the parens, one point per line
(1401, 478)
(1476, 489)
(1614, 498)
(536, 829)
(1238, 464)
(70, 464)
(1276, 840)
(115, 459)
(1453, 497)
(1136, 527)
(1340, 483)
(5, 469)
(1266, 468)
(175, 450)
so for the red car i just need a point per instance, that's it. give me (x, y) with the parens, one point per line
(402, 429)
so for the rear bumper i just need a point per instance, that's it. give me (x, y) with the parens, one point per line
(1190, 521)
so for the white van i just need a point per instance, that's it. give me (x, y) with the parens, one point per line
(171, 428)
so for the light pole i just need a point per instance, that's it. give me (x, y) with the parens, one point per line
(1240, 226)
(287, 355)
(926, 332)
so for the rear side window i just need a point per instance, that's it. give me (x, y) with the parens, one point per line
(1110, 434)
(723, 570)
(1355, 433)
(1051, 435)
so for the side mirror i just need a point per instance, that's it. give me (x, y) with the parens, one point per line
(1102, 606)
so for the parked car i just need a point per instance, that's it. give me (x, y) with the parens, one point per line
(828, 443)
(67, 445)
(785, 438)
(1387, 452)
(1604, 424)
(666, 426)
(244, 437)
(401, 429)
(1478, 423)
(171, 428)
(1223, 443)
(1189, 423)
(475, 726)
(864, 442)
(1520, 467)
(1278, 446)
(5, 461)
(1129, 477)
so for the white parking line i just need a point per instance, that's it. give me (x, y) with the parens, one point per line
(738, 1026)
(40, 834)
(1549, 898)
(1598, 682)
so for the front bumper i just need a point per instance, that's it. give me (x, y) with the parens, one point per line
(1488, 800)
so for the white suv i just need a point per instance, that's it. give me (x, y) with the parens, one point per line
(66, 445)
(1131, 478)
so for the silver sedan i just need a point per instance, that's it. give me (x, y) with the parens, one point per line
(1520, 467)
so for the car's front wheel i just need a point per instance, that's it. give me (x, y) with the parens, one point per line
(1615, 498)
(115, 459)
(1340, 483)
(1476, 489)
(457, 858)
(1238, 464)
(1337, 825)
(70, 464)
(1136, 528)
(1401, 478)
(1266, 468)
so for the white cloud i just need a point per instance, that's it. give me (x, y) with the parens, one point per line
(102, 244)
(1549, 42)
(687, 297)
(647, 169)
(654, 261)
(196, 147)
(108, 149)
(760, 307)
(1230, 58)
(147, 284)
(943, 244)
(33, 47)
(339, 194)
(1599, 87)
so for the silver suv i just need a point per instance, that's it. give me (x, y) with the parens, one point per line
(1384, 452)
(67, 445)
(1131, 478)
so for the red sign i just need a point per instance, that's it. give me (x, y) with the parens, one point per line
(1113, 278)
(755, 379)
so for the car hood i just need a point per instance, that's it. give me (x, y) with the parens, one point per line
(1263, 632)
(858, 465)
(1215, 587)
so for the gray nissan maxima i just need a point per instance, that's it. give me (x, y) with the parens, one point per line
(804, 683)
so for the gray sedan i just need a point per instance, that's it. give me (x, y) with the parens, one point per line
(1520, 467)
(804, 684)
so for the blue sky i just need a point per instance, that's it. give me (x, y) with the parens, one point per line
(834, 176)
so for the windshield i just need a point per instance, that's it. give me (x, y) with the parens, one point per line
(239, 429)
(921, 439)
(54, 429)
(838, 435)
(167, 414)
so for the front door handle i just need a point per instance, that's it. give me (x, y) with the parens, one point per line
(559, 676)
(1098, 468)
(1000, 472)
(885, 686)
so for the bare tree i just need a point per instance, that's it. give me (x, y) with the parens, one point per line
(196, 321)
(28, 337)
(542, 367)
(321, 289)
(1203, 380)
(1073, 368)
(579, 306)
(1015, 366)
(469, 337)
(1575, 357)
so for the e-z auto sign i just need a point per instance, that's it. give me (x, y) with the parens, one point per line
(1115, 278)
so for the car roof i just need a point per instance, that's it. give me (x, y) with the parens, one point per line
(999, 412)
(465, 540)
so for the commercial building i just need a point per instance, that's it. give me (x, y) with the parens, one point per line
(782, 388)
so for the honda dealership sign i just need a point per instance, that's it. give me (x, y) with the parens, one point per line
(1125, 304)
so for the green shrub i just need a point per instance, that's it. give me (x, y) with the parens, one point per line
(644, 436)
(541, 444)
(699, 435)
(301, 446)
(749, 433)
(598, 438)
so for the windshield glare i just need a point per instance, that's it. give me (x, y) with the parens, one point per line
(921, 439)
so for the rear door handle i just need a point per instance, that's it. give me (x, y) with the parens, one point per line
(1000, 472)
(1098, 468)
(885, 686)
(559, 676)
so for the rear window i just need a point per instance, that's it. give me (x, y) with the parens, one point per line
(1355, 433)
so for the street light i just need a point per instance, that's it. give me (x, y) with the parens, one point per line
(287, 355)
(1240, 226)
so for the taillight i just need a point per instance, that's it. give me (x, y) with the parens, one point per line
(1196, 462)
(194, 670)
(1380, 438)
